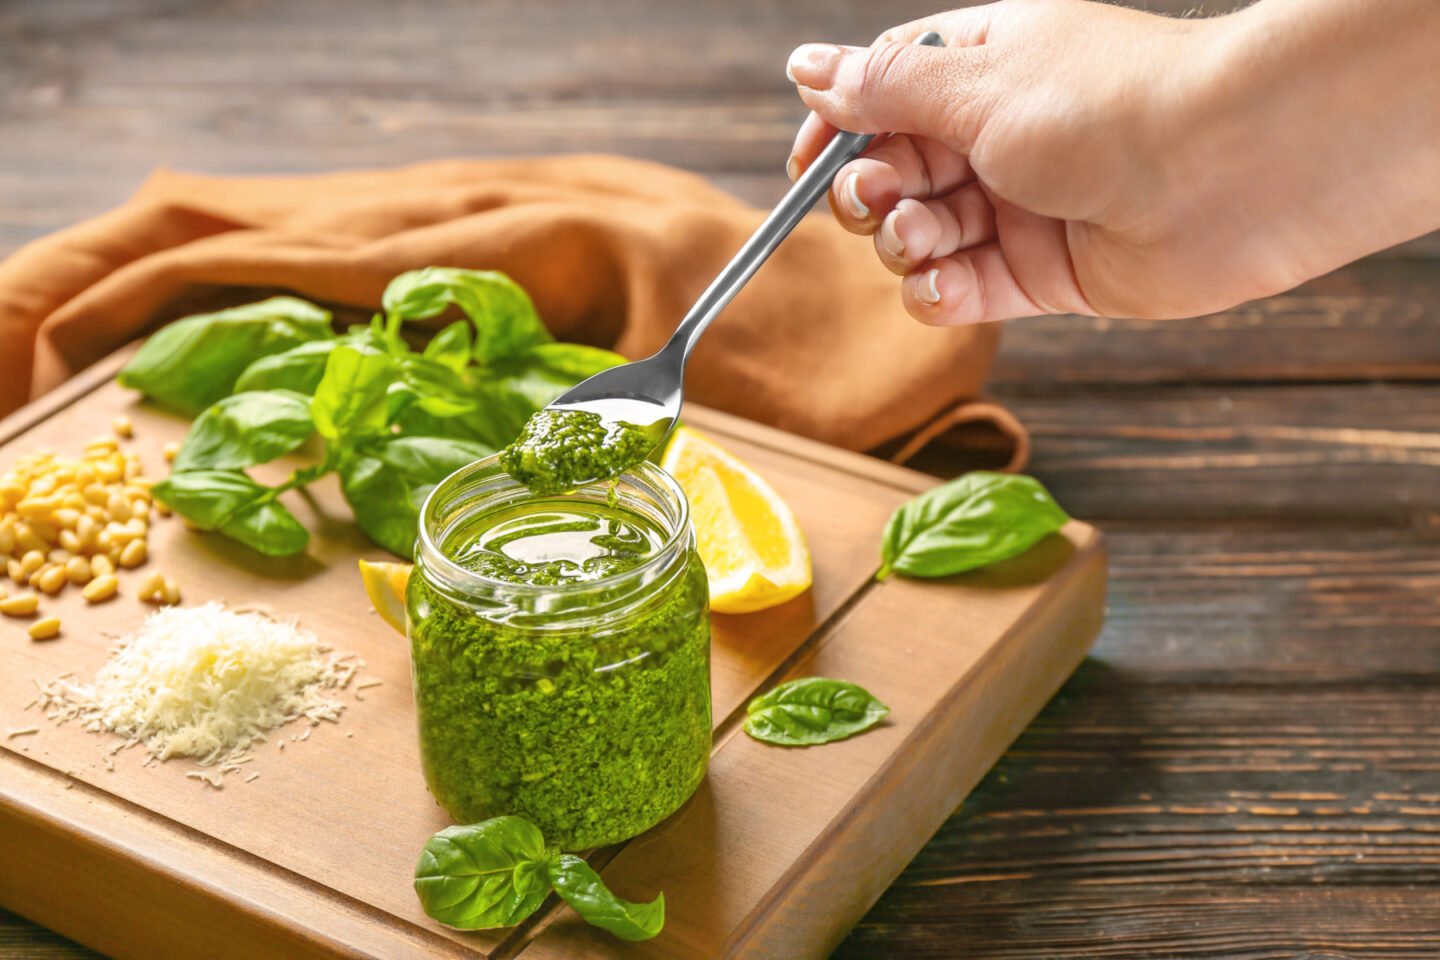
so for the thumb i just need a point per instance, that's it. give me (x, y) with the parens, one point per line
(935, 92)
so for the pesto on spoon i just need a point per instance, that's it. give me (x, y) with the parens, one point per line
(559, 450)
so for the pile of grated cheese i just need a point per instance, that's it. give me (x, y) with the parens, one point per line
(204, 682)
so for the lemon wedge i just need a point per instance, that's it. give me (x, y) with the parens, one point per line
(747, 536)
(385, 586)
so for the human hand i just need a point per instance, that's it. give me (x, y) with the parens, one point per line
(1064, 156)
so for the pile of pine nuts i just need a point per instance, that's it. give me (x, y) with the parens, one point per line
(75, 522)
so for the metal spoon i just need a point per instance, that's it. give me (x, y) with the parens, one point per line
(649, 393)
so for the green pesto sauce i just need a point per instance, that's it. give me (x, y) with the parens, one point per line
(559, 450)
(594, 733)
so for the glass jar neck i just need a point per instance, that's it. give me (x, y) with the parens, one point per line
(449, 519)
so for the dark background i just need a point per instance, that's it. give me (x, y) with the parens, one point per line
(1248, 766)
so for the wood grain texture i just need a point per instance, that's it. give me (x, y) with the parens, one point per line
(1322, 591)
(278, 864)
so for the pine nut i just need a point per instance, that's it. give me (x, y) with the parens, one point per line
(119, 507)
(66, 518)
(20, 605)
(101, 566)
(134, 554)
(172, 450)
(17, 572)
(46, 629)
(123, 427)
(58, 555)
(148, 586)
(70, 541)
(53, 580)
(31, 562)
(77, 569)
(100, 589)
(172, 593)
(161, 509)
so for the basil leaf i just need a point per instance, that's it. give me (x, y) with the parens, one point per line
(193, 362)
(246, 429)
(582, 888)
(504, 318)
(299, 369)
(976, 520)
(438, 389)
(350, 398)
(267, 527)
(207, 498)
(452, 346)
(387, 478)
(483, 875)
(812, 710)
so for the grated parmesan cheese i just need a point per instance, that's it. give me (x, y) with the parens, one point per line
(203, 682)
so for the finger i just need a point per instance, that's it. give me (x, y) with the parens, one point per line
(812, 137)
(915, 232)
(895, 87)
(867, 189)
(973, 286)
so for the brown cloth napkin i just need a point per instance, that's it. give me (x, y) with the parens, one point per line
(612, 250)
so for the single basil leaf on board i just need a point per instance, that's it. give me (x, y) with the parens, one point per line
(812, 710)
(207, 498)
(483, 875)
(267, 527)
(299, 368)
(973, 521)
(245, 429)
(582, 888)
(502, 313)
(452, 346)
(387, 478)
(350, 398)
(191, 363)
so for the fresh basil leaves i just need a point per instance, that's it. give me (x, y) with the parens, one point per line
(387, 479)
(812, 710)
(393, 423)
(976, 520)
(497, 873)
(246, 429)
(483, 875)
(505, 321)
(191, 363)
(582, 888)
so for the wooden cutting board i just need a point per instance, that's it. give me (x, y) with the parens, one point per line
(778, 854)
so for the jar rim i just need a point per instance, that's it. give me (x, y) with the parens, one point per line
(645, 474)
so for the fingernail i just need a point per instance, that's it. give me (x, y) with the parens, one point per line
(792, 168)
(790, 74)
(928, 290)
(851, 193)
(814, 65)
(890, 240)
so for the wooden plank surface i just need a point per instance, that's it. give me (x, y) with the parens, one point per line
(278, 864)
(1326, 595)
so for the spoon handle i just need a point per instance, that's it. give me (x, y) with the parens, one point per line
(807, 190)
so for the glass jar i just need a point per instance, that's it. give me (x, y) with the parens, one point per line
(560, 649)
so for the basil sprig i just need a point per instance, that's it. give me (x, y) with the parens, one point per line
(267, 377)
(497, 873)
(812, 710)
(976, 520)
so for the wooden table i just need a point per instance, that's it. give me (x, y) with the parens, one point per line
(1248, 766)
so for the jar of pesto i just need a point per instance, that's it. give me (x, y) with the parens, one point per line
(561, 653)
